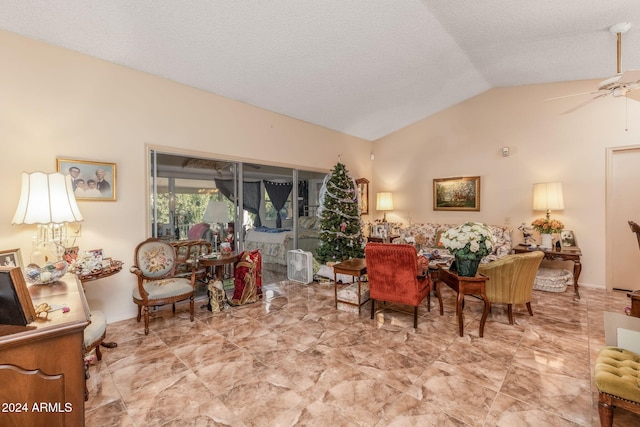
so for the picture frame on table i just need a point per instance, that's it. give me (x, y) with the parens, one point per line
(380, 230)
(363, 195)
(96, 253)
(568, 239)
(456, 194)
(92, 181)
(11, 258)
(16, 306)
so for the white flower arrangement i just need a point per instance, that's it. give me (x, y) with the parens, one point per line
(469, 240)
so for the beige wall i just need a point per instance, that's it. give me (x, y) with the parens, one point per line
(467, 140)
(57, 103)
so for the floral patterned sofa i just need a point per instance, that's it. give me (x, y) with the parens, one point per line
(425, 237)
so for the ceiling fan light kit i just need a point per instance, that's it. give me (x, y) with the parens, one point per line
(621, 28)
(620, 84)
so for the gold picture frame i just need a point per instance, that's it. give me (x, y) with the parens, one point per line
(456, 194)
(363, 195)
(92, 181)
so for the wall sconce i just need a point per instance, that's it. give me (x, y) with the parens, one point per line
(547, 196)
(384, 202)
(47, 200)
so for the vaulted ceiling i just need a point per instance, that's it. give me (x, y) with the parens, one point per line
(363, 67)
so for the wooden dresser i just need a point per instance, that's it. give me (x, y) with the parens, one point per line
(42, 373)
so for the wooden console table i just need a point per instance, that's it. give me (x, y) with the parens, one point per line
(42, 370)
(572, 253)
(464, 286)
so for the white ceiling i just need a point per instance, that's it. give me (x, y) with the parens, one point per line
(362, 67)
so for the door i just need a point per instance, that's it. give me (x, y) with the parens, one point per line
(623, 204)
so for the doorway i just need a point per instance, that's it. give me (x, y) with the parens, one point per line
(622, 205)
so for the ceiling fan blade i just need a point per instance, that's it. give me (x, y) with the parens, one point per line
(630, 76)
(634, 95)
(577, 107)
(576, 94)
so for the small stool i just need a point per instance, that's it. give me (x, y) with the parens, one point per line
(617, 377)
(552, 279)
(95, 333)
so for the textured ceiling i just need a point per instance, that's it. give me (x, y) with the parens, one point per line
(363, 67)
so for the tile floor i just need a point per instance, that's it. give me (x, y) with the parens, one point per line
(293, 359)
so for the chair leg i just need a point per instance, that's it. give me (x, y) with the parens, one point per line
(415, 317)
(605, 411)
(191, 304)
(529, 308)
(428, 301)
(174, 307)
(146, 320)
(139, 312)
(373, 305)
(98, 352)
(510, 312)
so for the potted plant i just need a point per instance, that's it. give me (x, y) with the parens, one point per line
(469, 243)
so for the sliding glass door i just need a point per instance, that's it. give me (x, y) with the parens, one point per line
(198, 197)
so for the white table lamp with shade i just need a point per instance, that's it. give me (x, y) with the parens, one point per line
(48, 201)
(217, 212)
(547, 196)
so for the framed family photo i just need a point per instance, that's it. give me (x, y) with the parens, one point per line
(11, 258)
(456, 194)
(91, 180)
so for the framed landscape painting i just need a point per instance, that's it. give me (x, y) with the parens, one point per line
(456, 194)
(91, 180)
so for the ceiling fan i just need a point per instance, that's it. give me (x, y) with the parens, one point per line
(622, 84)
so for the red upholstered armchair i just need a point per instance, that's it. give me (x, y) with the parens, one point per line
(395, 276)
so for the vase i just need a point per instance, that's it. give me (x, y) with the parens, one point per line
(467, 267)
(546, 241)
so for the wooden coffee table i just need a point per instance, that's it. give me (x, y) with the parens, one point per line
(464, 286)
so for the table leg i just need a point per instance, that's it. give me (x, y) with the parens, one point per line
(487, 309)
(459, 306)
(439, 297)
(109, 344)
(577, 269)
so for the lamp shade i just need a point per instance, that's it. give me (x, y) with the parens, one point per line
(547, 196)
(216, 212)
(46, 199)
(384, 201)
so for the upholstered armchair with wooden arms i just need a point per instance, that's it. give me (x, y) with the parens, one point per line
(511, 279)
(155, 264)
(394, 276)
(187, 254)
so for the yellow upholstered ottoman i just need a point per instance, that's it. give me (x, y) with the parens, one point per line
(617, 377)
